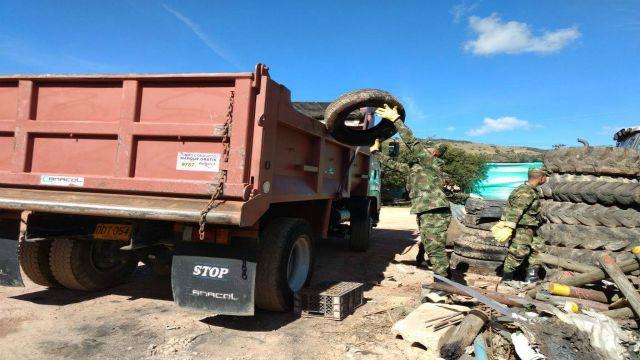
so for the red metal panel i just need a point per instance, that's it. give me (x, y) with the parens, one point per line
(78, 155)
(78, 101)
(6, 151)
(8, 100)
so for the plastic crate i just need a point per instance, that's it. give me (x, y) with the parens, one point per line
(329, 300)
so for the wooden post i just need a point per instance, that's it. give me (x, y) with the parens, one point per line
(622, 313)
(625, 286)
(566, 263)
(590, 277)
(463, 335)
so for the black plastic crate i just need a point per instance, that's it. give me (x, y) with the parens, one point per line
(329, 300)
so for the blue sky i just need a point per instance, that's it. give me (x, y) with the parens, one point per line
(531, 73)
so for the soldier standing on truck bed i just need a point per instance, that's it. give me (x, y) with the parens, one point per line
(425, 184)
(520, 220)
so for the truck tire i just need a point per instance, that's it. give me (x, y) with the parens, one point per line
(588, 257)
(483, 267)
(361, 224)
(600, 160)
(485, 209)
(476, 232)
(90, 265)
(473, 221)
(589, 237)
(480, 248)
(603, 192)
(34, 261)
(337, 112)
(285, 263)
(592, 215)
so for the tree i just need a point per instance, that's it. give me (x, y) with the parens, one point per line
(462, 169)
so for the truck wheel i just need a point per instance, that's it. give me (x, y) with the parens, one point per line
(285, 263)
(90, 265)
(361, 224)
(337, 112)
(34, 261)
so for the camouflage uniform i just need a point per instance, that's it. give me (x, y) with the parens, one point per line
(428, 201)
(523, 214)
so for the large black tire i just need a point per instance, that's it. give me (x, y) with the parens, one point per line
(361, 224)
(603, 192)
(337, 113)
(589, 237)
(34, 261)
(480, 248)
(592, 215)
(476, 232)
(275, 248)
(589, 257)
(485, 209)
(598, 160)
(473, 221)
(90, 265)
(555, 180)
(483, 267)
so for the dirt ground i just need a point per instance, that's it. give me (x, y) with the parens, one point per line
(139, 319)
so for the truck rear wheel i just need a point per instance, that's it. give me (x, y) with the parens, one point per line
(361, 224)
(90, 265)
(34, 261)
(285, 263)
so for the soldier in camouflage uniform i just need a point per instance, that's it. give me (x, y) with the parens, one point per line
(520, 220)
(425, 185)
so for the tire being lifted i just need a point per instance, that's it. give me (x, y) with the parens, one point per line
(337, 112)
(90, 265)
(285, 263)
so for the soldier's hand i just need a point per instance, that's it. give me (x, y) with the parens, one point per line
(501, 232)
(375, 147)
(388, 113)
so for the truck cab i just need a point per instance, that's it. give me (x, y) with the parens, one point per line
(628, 138)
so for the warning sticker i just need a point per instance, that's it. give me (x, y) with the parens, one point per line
(195, 161)
(56, 180)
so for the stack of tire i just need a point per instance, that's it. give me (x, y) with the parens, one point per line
(591, 203)
(476, 251)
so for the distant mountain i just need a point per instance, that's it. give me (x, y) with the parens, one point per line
(498, 153)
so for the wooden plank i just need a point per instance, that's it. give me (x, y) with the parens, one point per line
(625, 286)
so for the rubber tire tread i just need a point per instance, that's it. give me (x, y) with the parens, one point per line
(592, 215)
(491, 209)
(272, 290)
(588, 257)
(598, 160)
(34, 261)
(337, 112)
(606, 193)
(476, 266)
(479, 251)
(360, 225)
(575, 236)
(70, 267)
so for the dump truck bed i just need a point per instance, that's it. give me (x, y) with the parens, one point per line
(156, 146)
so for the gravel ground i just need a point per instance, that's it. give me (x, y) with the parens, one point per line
(139, 320)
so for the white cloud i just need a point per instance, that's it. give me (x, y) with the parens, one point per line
(197, 30)
(513, 37)
(504, 123)
(451, 129)
(461, 10)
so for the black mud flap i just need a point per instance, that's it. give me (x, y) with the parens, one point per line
(220, 285)
(9, 264)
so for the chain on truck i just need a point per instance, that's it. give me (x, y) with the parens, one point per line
(217, 180)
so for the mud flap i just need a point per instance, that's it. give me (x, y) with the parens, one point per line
(9, 264)
(220, 285)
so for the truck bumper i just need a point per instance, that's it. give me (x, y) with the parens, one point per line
(123, 206)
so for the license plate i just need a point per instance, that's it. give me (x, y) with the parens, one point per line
(112, 232)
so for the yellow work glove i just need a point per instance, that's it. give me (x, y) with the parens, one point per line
(501, 232)
(375, 147)
(388, 113)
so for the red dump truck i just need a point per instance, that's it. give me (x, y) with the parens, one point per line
(214, 178)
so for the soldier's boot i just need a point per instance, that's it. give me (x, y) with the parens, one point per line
(420, 257)
(507, 276)
(532, 275)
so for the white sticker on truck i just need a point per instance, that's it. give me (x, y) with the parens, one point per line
(57, 180)
(195, 161)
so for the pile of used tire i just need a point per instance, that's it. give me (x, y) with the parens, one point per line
(475, 250)
(591, 203)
